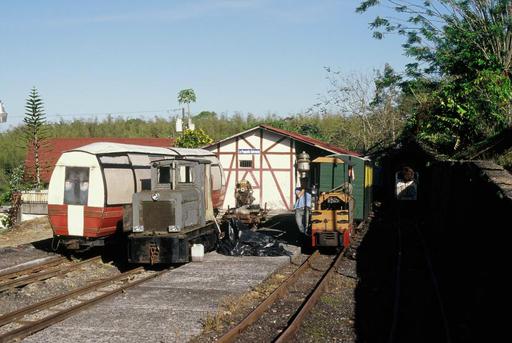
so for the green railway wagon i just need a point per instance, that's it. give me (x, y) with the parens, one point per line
(331, 175)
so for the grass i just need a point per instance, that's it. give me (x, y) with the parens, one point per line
(216, 321)
(505, 160)
(212, 322)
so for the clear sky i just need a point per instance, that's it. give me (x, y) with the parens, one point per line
(132, 57)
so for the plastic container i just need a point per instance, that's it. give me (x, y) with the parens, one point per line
(197, 252)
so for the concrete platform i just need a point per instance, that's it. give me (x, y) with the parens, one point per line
(169, 308)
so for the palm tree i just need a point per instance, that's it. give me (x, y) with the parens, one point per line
(186, 96)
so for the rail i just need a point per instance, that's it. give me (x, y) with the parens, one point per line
(29, 268)
(232, 334)
(40, 273)
(25, 327)
(287, 334)
(296, 320)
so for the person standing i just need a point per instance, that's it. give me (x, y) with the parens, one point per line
(302, 208)
(406, 185)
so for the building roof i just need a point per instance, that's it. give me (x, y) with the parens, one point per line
(295, 136)
(52, 148)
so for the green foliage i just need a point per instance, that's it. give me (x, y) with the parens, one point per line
(205, 114)
(467, 111)
(331, 128)
(505, 160)
(34, 130)
(193, 139)
(34, 114)
(186, 96)
(15, 183)
(458, 90)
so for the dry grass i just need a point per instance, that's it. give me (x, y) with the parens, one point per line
(26, 232)
(212, 322)
(228, 307)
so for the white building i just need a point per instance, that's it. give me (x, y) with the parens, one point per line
(266, 156)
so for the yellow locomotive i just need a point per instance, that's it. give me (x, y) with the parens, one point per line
(332, 215)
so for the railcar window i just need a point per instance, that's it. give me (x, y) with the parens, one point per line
(186, 174)
(139, 159)
(145, 184)
(216, 178)
(164, 175)
(119, 185)
(143, 177)
(114, 160)
(76, 186)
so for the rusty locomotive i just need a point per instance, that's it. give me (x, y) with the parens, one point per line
(174, 214)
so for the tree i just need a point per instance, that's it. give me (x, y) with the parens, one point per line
(34, 130)
(186, 96)
(193, 139)
(16, 184)
(369, 105)
(205, 115)
(425, 25)
(461, 75)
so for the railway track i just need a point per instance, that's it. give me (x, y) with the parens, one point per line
(295, 320)
(21, 323)
(28, 268)
(414, 268)
(40, 272)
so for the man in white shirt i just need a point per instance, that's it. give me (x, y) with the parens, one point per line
(406, 187)
(302, 208)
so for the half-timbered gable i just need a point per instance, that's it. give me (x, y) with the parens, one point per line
(265, 156)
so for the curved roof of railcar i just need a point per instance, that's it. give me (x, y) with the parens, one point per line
(101, 148)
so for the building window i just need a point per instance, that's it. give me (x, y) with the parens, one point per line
(246, 164)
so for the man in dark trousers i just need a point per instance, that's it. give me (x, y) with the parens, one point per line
(302, 208)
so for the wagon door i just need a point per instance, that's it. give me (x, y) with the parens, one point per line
(76, 187)
(76, 196)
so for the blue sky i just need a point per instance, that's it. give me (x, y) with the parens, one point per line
(88, 58)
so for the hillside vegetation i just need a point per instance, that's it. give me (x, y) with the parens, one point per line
(335, 129)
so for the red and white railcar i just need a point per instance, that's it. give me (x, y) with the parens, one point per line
(90, 186)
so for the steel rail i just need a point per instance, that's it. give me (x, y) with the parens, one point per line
(30, 327)
(6, 275)
(287, 334)
(50, 302)
(234, 332)
(18, 282)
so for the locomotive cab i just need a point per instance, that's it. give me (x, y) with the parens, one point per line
(176, 212)
(332, 217)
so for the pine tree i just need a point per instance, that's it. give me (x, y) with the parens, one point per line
(35, 121)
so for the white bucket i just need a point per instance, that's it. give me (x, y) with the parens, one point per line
(197, 252)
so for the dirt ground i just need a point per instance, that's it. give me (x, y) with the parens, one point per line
(26, 232)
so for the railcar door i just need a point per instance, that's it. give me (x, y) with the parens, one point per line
(76, 196)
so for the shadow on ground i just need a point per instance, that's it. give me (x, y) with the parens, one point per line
(281, 226)
(450, 294)
(284, 227)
